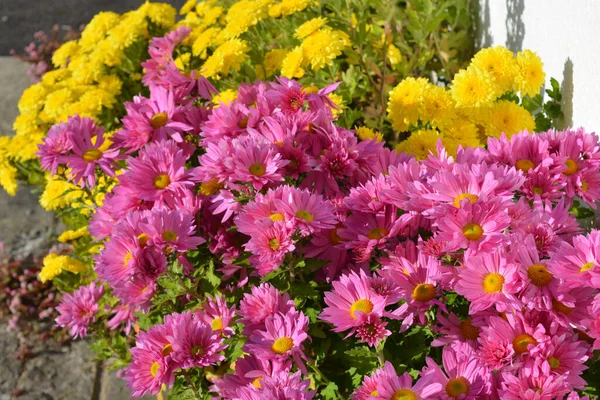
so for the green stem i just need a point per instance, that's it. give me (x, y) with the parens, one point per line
(316, 369)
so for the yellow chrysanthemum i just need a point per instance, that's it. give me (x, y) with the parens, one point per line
(162, 14)
(96, 29)
(510, 118)
(70, 235)
(130, 28)
(111, 83)
(84, 71)
(460, 132)
(61, 56)
(404, 102)
(25, 147)
(420, 143)
(500, 62)
(55, 77)
(289, 7)
(339, 102)
(274, 60)
(225, 96)
(437, 105)
(291, 67)
(226, 57)
(59, 194)
(108, 53)
(322, 47)
(531, 74)
(8, 173)
(241, 16)
(203, 41)
(32, 99)
(365, 133)
(57, 101)
(393, 55)
(54, 265)
(187, 7)
(310, 27)
(474, 87)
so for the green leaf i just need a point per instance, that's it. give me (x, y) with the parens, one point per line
(329, 391)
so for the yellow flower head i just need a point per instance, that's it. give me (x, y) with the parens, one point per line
(405, 101)
(420, 143)
(70, 235)
(162, 14)
(309, 27)
(474, 87)
(323, 46)
(291, 67)
(437, 105)
(393, 55)
(187, 7)
(61, 56)
(54, 265)
(510, 118)
(225, 96)
(59, 194)
(226, 57)
(365, 133)
(96, 29)
(289, 7)
(531, 74)
(500, 62)
(460, 132)
(274, 60)
(203, 41)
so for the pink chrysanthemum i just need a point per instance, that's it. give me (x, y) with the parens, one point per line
(218, 315)
(454, 331)
(372, 329)
(351, 297)
(310, 212)
(77, 311)
(578, 264)
(280, 385)
(226, 122)
(269, 245)
(172, 230)
(489, 280)
(56, 144)
(392, 386)
(288, 94)
(263, 301)
(367, 197)
(370, 382)
(364, 233)
(543, 387)
(194, 343)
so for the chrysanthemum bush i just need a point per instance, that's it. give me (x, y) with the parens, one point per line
(240, 239)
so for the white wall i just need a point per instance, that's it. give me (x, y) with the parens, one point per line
(565, 34)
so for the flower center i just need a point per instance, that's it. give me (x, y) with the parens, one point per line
(243, 123)
(257, 169)
(92, 155)
(161, 181)
(537, 190)
(586, 267)
(554, 362)
(256, 382)
(211, 187)
(282, 345)
(584, 186)
(127, 257)
(522, 342)
(277, 217)
(143, 239)
(166, 350)
(404, 394)
(334, 238)
(560, 307)
(217, 324)
(524, 165)
(472, 231)
(154, 368)
(274, 244)
(457, 386)
(493, 282)
(196, 350)
(377, 233)
(363, 305)
(159, 120)
(572, 166)
(374, 393)
(539, 275)
(468, 331)
(472, 198)
(305, 215)
(169, 236)
(423, 292)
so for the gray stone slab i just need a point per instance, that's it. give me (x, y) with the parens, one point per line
(115, 388)
(13, 80)
(10, 368)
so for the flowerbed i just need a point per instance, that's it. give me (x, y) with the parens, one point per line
(241, 227)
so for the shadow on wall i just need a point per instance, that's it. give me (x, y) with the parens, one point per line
(566, 89)
(480, 15)
(515, 28)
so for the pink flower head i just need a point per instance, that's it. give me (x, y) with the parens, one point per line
(172, 230)
(262, 302)
(454, 331)
(288, 94)
(476, 227)
(367, 197)
(489, 280)
(123, 314)
(194, 342)
(55, 145)
(578, 264)
(86, 140)
(310, 212)
(524, 387)
(269, 245)
(351, 297)
(524, 151)
(158, 172)
(592, 323)
(392, 386)
(372, 329)
(278, 386)
(226, 122)
(218, 315)
(77, 311)
(370, 382)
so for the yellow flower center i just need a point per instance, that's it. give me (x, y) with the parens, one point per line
(169, 236)
(92, 155)
(423, 292)
(586, 267)
(257, 169)
(539, 275)
(472, 231)
(143, 239)
(154, 368)
(493, 282)
(277, 217)
(537, 190)
(524, 165)
(468, 331)
(334, 238)
(554, 362)
(363, 305)
(166, 350)
(127, 257)
(572, 166)
(472, 198)
(521, 342)
(211, 187)
(243, 123)
(584, 186)
(196, 350)
(162, 181)
(377, 233)
(560, 307)
(159, 120)
(404, 394)
(305, 215)
(282, 345)
(457, 386)
(256, 382)
(217, 324)
(274, 244)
